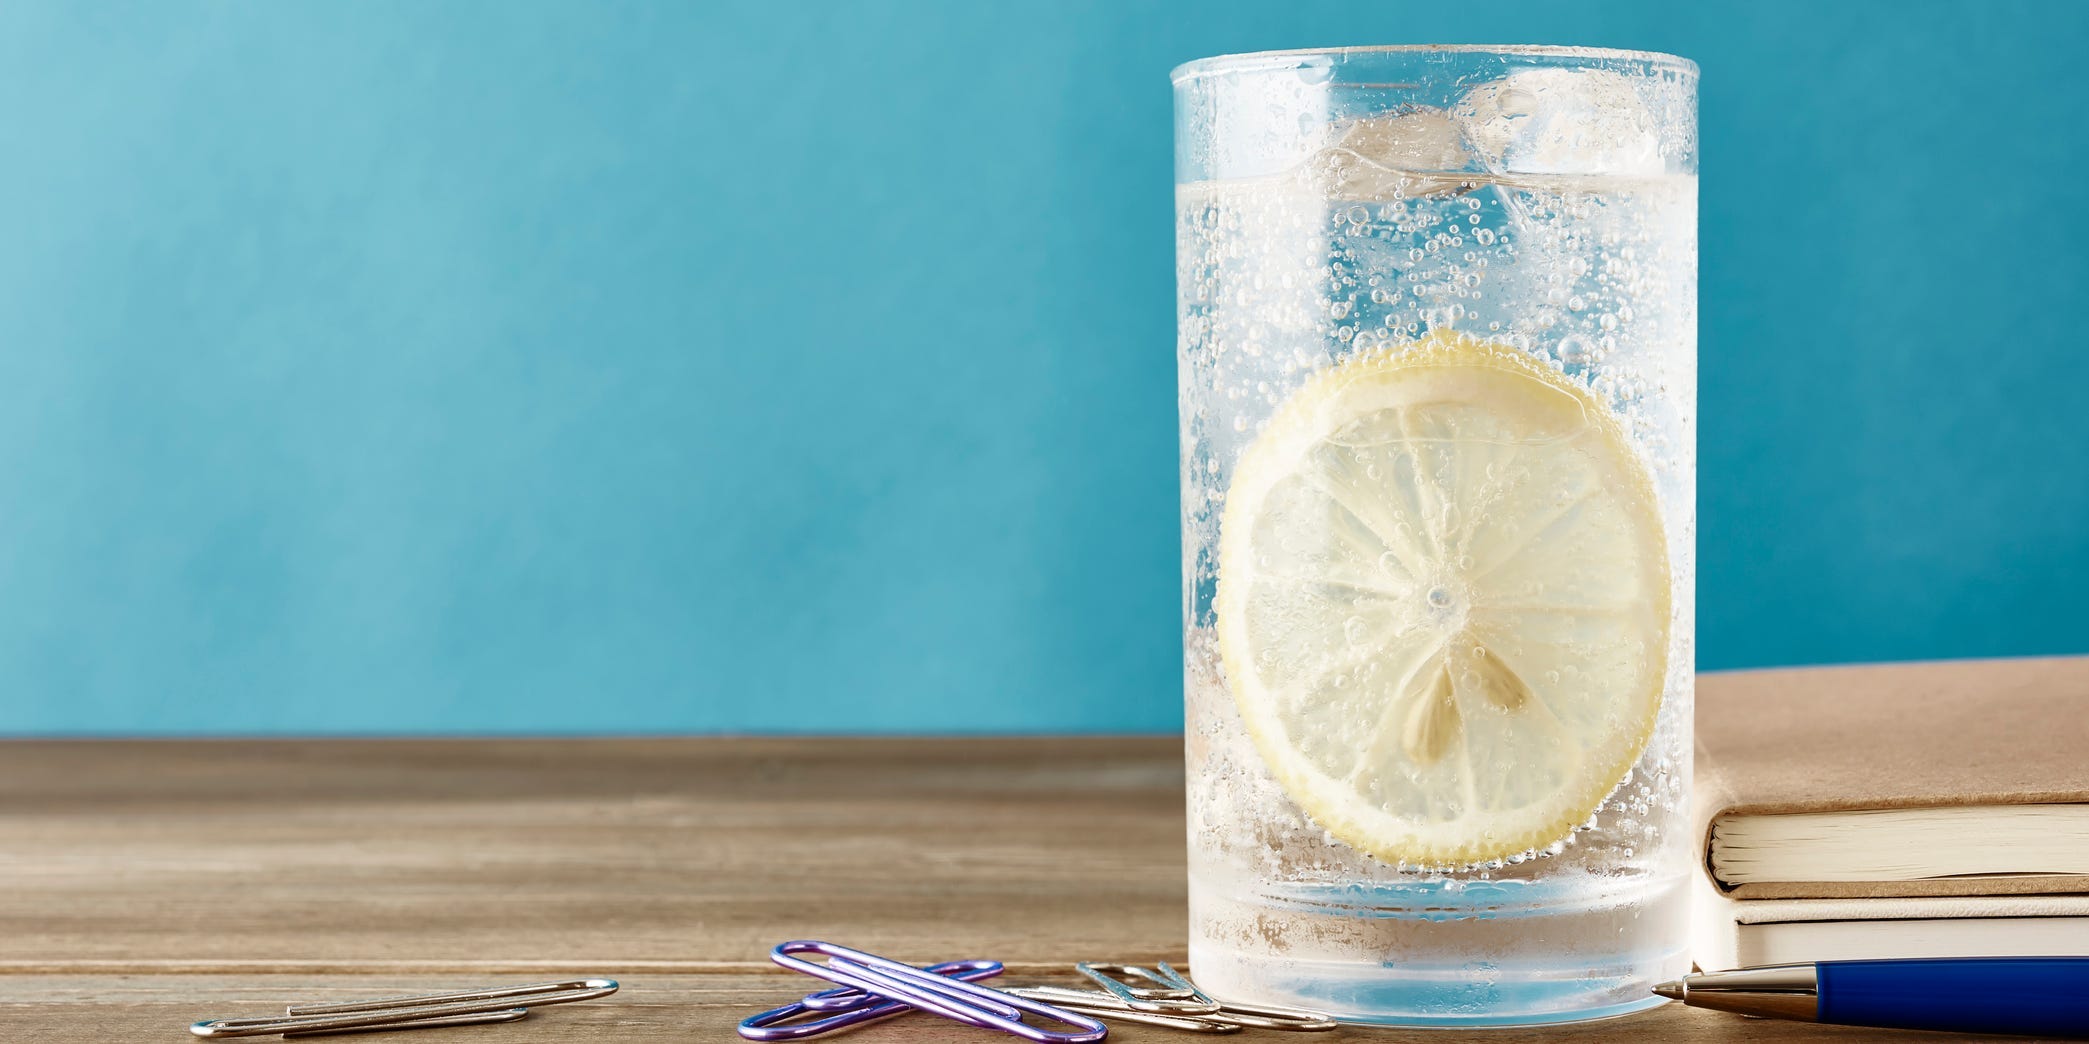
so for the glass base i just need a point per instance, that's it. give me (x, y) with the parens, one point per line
(1405, 956)
(1415, 997)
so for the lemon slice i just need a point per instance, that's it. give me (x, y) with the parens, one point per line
(1443, 602)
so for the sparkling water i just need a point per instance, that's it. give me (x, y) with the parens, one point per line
(1547, 209)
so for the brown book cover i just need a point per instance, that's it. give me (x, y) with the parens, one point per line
(1975, 732)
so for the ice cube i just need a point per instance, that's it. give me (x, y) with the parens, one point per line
(1416, 152)
(1563, 121)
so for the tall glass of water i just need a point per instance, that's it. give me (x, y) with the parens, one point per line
(1438, 368)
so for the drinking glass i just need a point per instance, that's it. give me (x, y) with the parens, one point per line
(1438, 386)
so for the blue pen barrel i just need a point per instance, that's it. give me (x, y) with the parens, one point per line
(2046, 996)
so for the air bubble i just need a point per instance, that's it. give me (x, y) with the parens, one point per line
(1356, 630)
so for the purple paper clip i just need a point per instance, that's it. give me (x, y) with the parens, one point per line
(851, 1007)
(849, 998)
(952, 997)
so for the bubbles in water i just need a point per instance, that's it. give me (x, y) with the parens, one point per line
(1356, 630)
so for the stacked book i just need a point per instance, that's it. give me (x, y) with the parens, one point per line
(1939, 810)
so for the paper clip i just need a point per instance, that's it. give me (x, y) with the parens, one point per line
(848, 1006)
(1229, 1018)
(848, 998)
(1276, 1017)
(1171, 1000)
(1169, 992)
(427, 1011)
(951, 997)
(1095, 1002)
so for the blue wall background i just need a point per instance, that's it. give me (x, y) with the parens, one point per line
(475, 367)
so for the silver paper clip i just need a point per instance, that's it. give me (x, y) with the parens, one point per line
(427, 1011)
(1170, 1000)
(1275, 1017)
(1169, 992)
(1094, 1002)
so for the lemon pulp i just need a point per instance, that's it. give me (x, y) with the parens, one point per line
(1443, 602)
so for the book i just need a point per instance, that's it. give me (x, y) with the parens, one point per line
(1966, 778)
(1912, 844)
(1740, 933)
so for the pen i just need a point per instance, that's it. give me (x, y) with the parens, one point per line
(2032, 995)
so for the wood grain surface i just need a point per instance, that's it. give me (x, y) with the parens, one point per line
(145, 885)
(673, 855)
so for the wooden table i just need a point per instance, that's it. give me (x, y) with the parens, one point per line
(144, 885)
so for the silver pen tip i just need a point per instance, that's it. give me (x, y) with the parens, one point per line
(1671, 990)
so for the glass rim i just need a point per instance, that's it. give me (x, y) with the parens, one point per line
(1252, 60)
